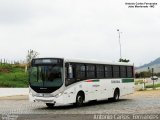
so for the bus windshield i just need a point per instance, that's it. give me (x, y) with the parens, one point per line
(46, 76)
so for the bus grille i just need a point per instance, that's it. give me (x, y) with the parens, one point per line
(46, 101)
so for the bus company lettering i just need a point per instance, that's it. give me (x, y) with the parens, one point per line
(115, 81)
(95, 85)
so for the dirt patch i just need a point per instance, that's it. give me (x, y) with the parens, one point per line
(5, 70)
(146, 94)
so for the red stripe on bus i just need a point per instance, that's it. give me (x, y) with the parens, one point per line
(89, 80)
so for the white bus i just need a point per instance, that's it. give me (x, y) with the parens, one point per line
(64, 81)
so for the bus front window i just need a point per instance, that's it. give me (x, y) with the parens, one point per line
(46, 76)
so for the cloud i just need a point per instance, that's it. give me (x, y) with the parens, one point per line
(14, 12)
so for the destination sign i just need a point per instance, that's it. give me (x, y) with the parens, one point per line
(47, 61)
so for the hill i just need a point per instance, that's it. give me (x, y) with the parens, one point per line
(153, 64)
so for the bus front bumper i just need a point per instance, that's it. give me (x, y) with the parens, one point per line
(58, 100)
(45, 100)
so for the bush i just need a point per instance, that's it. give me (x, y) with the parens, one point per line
(138, 82)
(5, 68)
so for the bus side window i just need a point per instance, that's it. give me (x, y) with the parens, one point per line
(70, 72)
(90, 71)
(116, 71)
(108, 71)
(66, 72)
(80, 71)
(123, 73)
(129, 72)
(100, 71)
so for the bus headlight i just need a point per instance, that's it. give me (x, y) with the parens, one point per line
(59, 94)
(32, 93)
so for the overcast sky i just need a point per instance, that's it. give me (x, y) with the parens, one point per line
(79, 29)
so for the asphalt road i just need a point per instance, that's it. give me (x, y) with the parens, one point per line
(142, 102)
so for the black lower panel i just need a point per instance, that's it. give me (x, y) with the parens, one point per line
(44, 90)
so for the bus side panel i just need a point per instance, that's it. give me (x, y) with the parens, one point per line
(101, 89)
(90, 89)
(105, 89)
(128, 87)
(72, 90)
(69, 95)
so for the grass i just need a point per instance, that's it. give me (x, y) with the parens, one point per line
(151, 86)
(13, 76)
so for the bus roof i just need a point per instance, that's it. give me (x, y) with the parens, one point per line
(92, 61)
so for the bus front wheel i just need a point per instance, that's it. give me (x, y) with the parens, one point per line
(79, 100)
(50, 105)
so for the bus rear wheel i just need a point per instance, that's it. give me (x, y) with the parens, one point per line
(79, 100)
(116, 95)
(50, 105)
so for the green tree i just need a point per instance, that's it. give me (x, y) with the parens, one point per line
(143, 74)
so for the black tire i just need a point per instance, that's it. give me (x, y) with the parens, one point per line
(116, 95)
(79, 100)
(50, 105)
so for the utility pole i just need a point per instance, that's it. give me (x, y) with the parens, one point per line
(152, 77)
(119, 43)
(152, 72)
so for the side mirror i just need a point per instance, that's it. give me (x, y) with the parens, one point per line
(70, 71)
